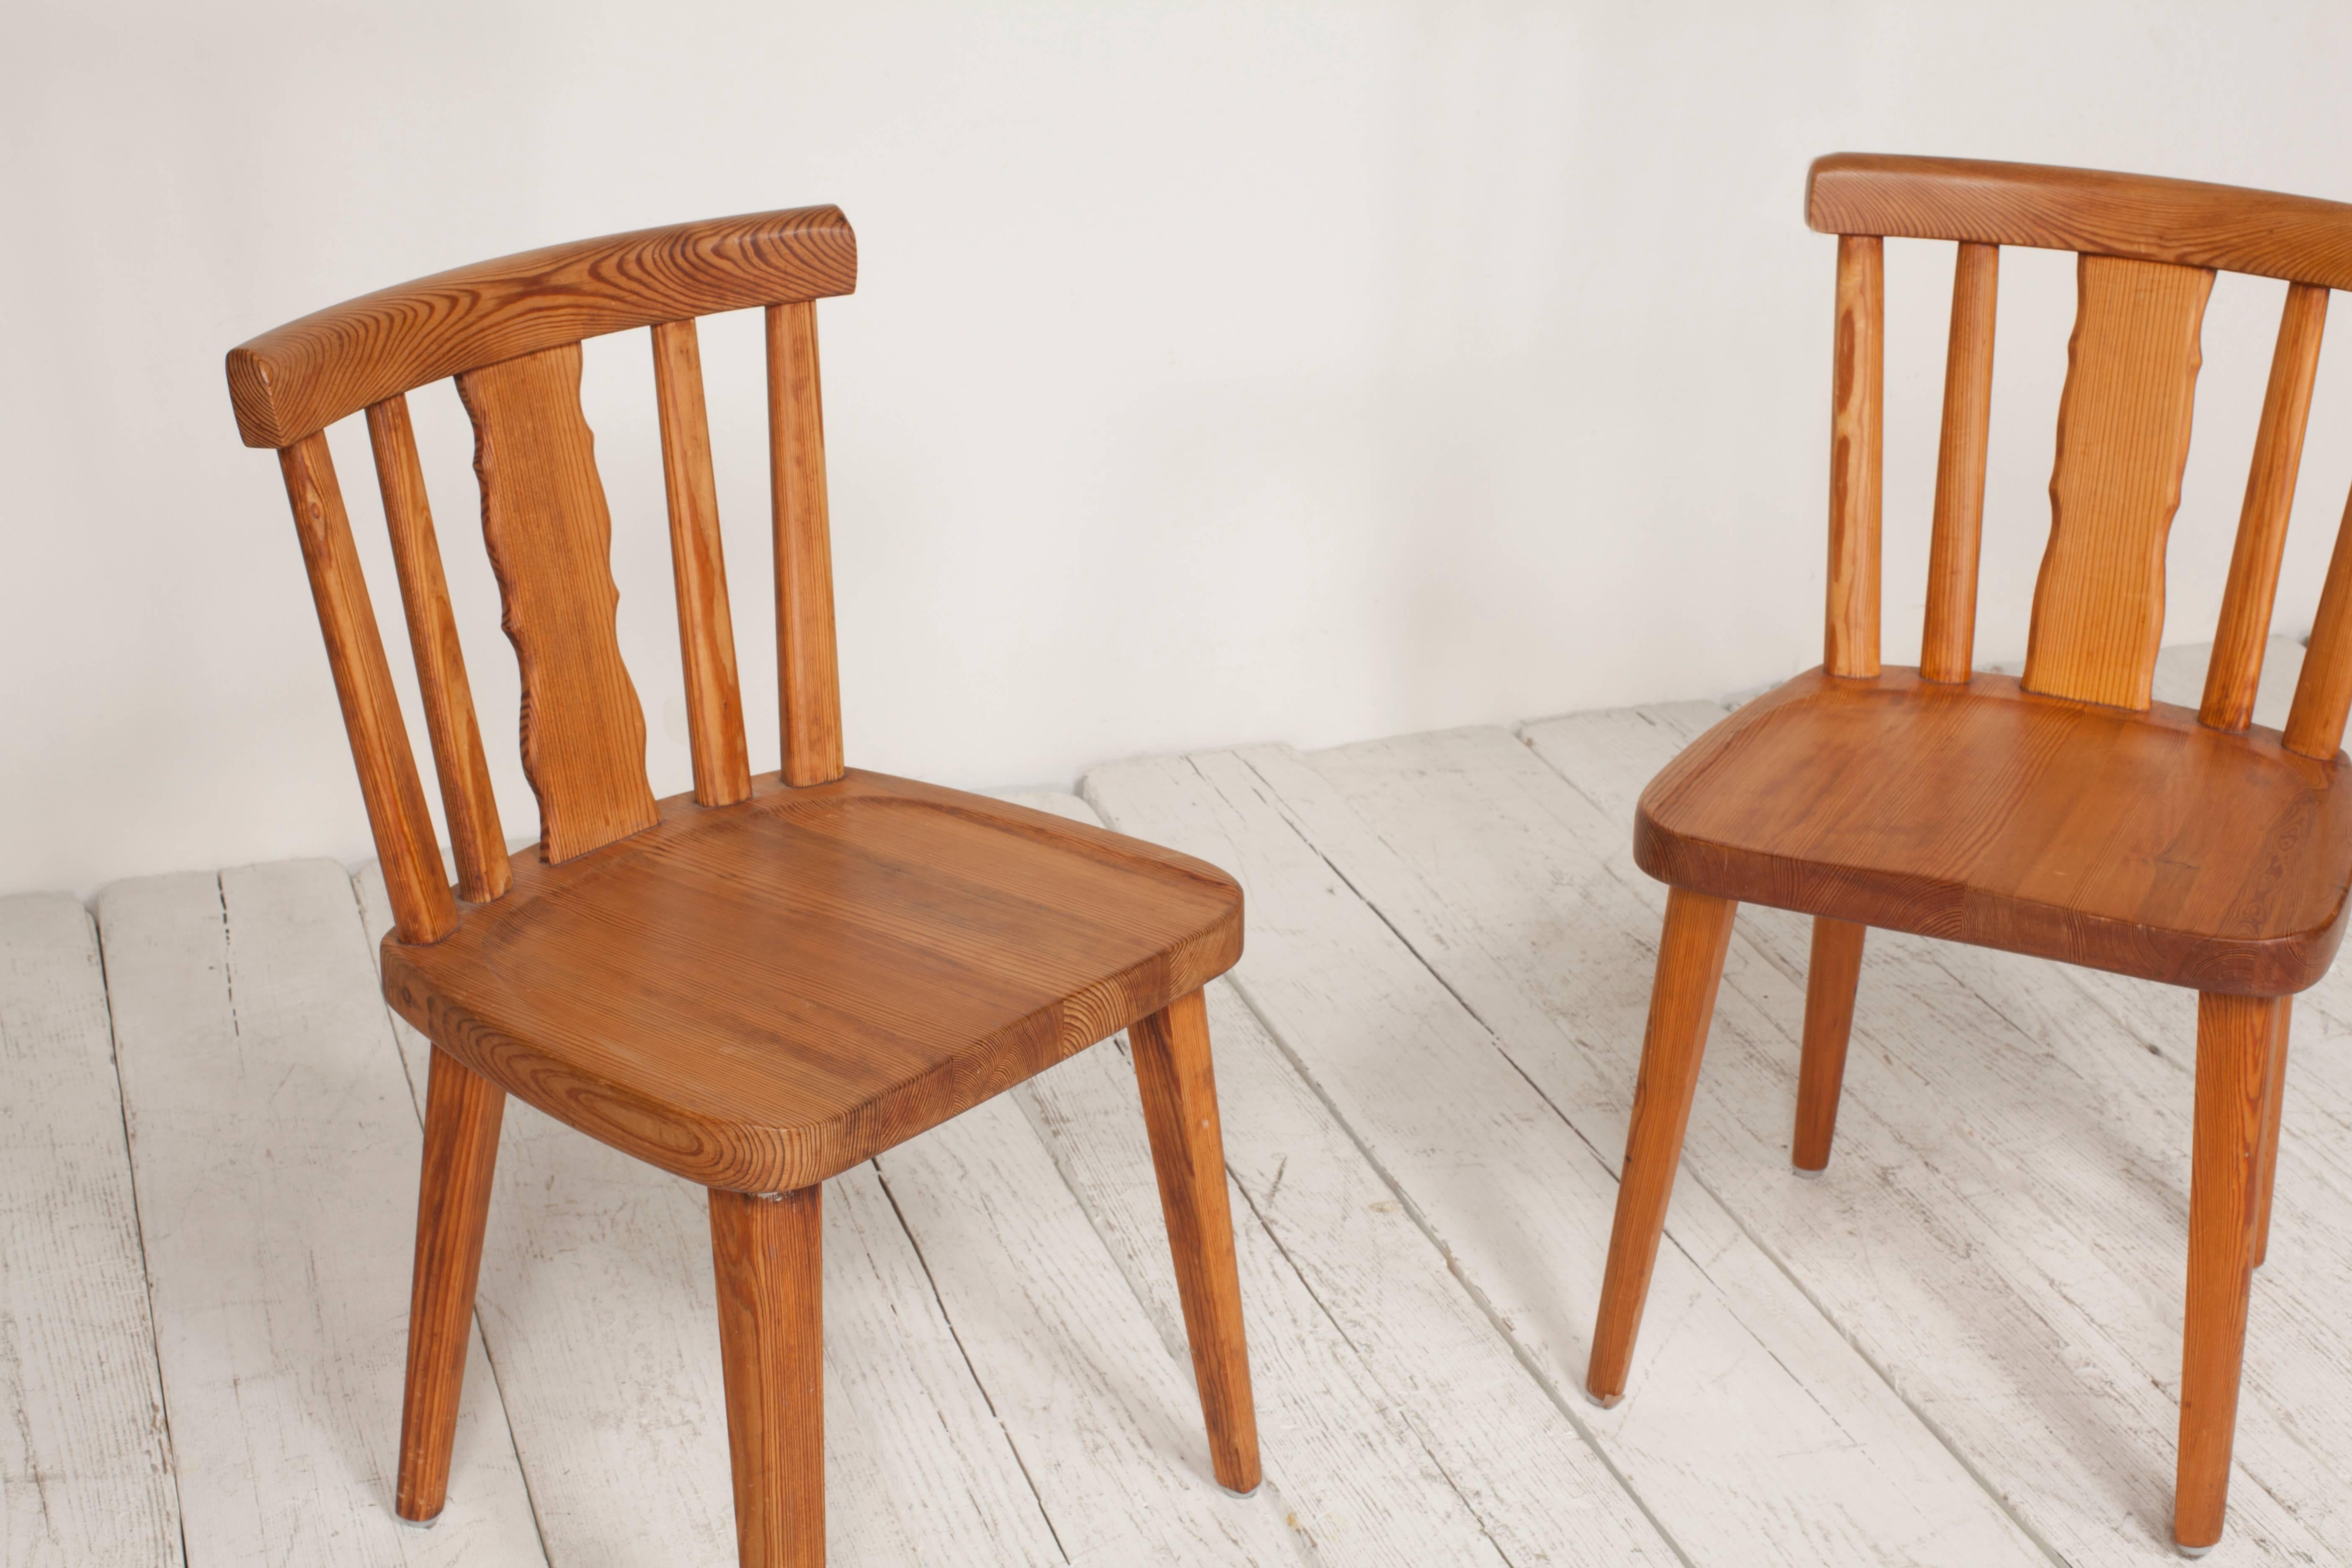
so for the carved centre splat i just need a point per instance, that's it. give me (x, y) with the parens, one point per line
(2122, 441)
(551, 538)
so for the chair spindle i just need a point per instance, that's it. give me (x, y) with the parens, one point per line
(2315, 725)
(1948, 645)
(2238, 644)
(808, 679)
(422, 909)
(1850, 643)
(475, 836)
(705, 627)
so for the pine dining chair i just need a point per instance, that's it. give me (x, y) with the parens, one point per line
(2064, 814)
(761, 984)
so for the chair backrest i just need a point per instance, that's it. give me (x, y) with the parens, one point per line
(510, 332)
(2146, 252)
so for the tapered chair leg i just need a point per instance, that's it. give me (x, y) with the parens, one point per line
(462, 1113)
(767, 1251)
(1682, 1005)
(1830, 984)
(2234, 1052)
(1180, 1112)
(2266, 1176)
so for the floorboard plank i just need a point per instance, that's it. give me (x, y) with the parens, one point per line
(1760, 1435)
(1107, 1424)
(1399, 1426)
(274, 1148)
(597, 1301)
(85, 1461)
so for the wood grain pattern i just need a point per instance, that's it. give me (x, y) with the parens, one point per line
(551, 540)
(2245, 625)
(2323, 690)
(475, 839)
(1179, 1085)
(307, 375)
(388, 782)
(2004, 1218)
(462, 1113)
(2233, 1056)
(2049, 816)
(2183, 222)
(597, 1305)
(760, 996)
(807, 672)
(2273, 1117)
(706, 626)
(2149, 845)
(1857, 400)
(1682, 1005)
(1947, 644)
(767, 1251)
(2123, 442)
(767, 984)
(1830, 980)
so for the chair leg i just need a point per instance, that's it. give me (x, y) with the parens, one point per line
(1188, 1151)
(1682, 1005)
(2234, 1051)
(2266, 1177)
(1830, 984)
(767, 1251)
(462, 1112)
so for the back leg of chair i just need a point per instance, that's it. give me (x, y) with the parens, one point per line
(1682, 1005)
(1830, 984)
(1180, 1112)
(462, 1113)
(767, 1251)
(2266, 1176)
(2235, 1047)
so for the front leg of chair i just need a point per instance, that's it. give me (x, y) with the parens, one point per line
(462, 1112)
(767, 1251)
(2234, 1053)
(2266, 1179)
(1682, 1005)
(1188, 1151)
(1831, 981)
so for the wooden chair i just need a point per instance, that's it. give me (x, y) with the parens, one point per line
(2062, 815)
(756, 985)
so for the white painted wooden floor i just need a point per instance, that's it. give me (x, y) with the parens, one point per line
(1960, 1347)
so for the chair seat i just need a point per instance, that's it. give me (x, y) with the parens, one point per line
(759, 995)
(2142, 843)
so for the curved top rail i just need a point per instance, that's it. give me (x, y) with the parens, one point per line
(2187, 222)
(307, 375)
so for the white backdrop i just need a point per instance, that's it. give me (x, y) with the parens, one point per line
(1218, 372)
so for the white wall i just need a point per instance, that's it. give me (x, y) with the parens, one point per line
(1218, 373)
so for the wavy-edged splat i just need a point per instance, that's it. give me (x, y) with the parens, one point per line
(551, 537)
(2122, 441)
